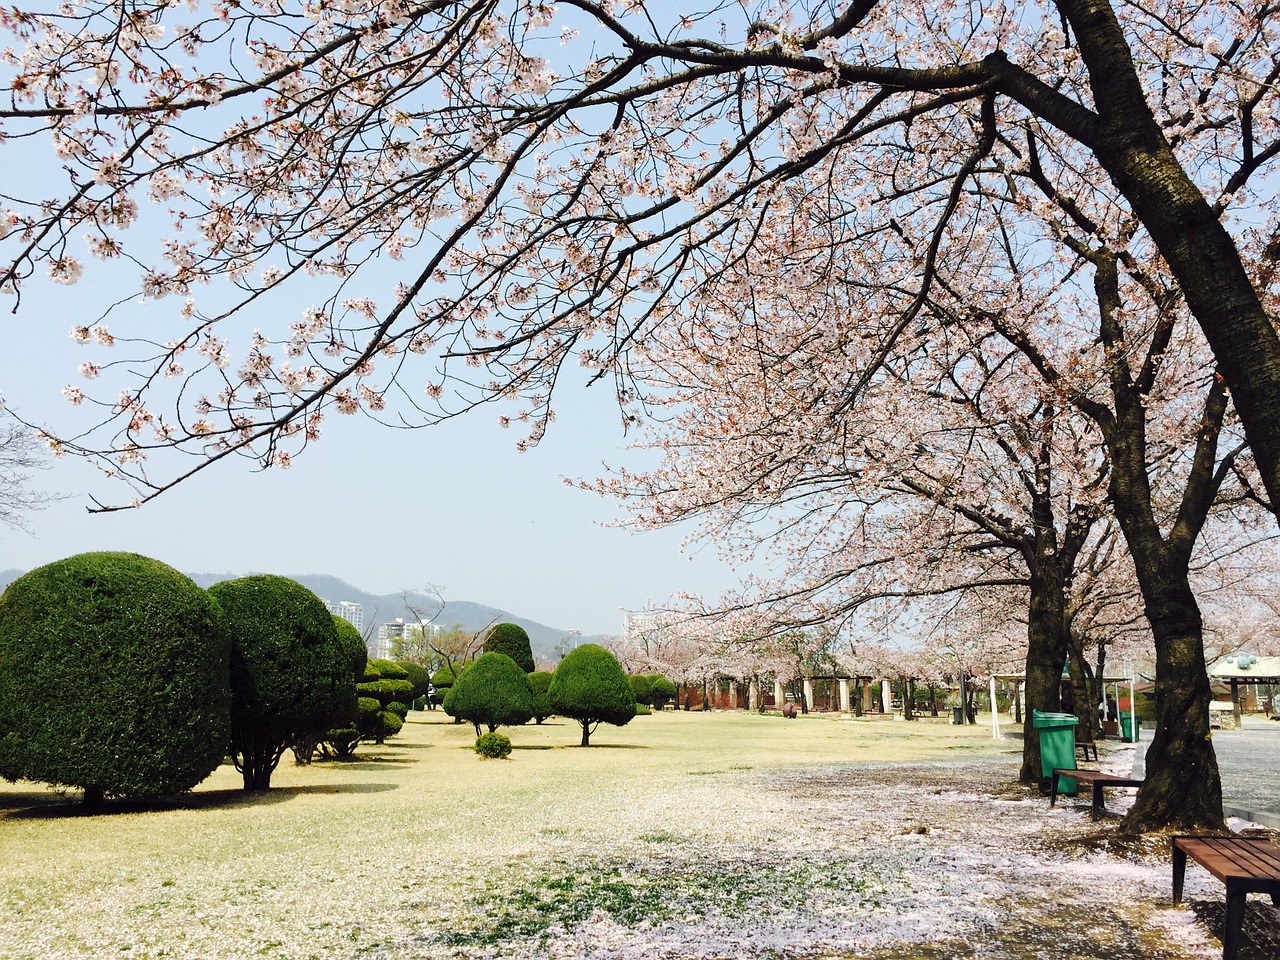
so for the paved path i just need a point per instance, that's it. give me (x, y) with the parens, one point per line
(1249, 761)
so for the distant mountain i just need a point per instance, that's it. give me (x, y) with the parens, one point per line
(383, 608)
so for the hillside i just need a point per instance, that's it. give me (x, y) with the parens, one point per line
(381, 608)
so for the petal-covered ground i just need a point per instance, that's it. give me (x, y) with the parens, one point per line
(680, 836)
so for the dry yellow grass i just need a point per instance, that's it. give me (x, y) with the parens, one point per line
(679, 835)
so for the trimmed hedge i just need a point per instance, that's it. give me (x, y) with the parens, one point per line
(113, 678)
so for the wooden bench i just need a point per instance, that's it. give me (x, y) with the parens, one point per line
(1087, 747)
(1096, 779)
(1245, 864)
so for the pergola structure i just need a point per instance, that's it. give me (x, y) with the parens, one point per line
(1020, 678)
(1244, 670)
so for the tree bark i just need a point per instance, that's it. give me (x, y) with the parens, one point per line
(1201, 254)
(1183, 788)
(586, 733)
(1046, 653)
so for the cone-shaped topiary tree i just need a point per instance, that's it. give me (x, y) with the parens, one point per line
(589, 686)
(511, 639)
(493, 691)
(290, 672)
(113, 678)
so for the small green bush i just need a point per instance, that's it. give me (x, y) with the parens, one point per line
(343, 741)
(493, 746)
(445, 677)
(642, 710)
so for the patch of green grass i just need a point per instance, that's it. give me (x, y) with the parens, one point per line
(630, 896)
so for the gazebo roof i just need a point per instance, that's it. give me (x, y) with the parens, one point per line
(1242, 666)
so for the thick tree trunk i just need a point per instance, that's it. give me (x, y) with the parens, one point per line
(909, 701)
(1046, 653)
(586, 733)
(1183, 788)
(255, 754)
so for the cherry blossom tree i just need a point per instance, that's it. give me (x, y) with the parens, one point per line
(569, 179)
(20, 455)
(559, 179)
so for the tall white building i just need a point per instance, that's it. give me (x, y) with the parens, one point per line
(398, 630)
(353, 613)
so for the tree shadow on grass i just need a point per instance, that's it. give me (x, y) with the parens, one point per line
(607, 746)
(69, 806)
(361, 760)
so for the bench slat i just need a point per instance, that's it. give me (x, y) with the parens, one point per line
(1235, 857)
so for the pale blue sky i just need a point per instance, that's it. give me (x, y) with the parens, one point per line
(454, 505)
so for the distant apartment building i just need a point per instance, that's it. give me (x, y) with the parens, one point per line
(398, 630)
(636, 622)
(353, 613)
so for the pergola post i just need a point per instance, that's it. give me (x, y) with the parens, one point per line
(844, 696)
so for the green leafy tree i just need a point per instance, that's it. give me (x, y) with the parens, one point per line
(511, 639)
(540, 682)
(113, 678)
(290, 672)
(492, 692)
(590, 686)
(661, 691)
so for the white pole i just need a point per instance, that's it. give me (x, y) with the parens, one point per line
(1133, 707)
(995, 711)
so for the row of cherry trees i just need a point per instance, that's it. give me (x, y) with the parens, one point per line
(927, 295)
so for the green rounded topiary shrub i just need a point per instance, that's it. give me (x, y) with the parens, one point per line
(540, 682)
(642, 687)
(492, 692)
(642, 710)
(661, 691)
(445, 677)
(290, 671)
(589, 686)
(493, 746)
(113, 678)
(511, 639)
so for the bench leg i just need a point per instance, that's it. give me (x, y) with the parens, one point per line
(1053, 790)
(1179, 872)
(1098, 807)
(1235, 920)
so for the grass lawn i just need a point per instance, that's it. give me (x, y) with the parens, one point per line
(679, 835)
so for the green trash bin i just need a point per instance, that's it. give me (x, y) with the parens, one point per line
(1130, 736)
(1057, 732)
